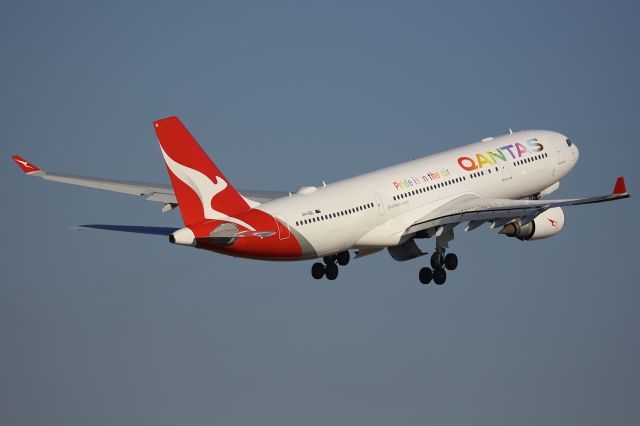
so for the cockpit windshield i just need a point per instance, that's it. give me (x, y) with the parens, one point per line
(569, 143)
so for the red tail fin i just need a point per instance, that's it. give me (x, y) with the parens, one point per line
(26, 166)
(201, 189)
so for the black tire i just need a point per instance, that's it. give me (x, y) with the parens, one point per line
(439, 276)
(343, 258)
(328, 260)
(317, 270)
(451, 261)
(425, 275)
(436, 260)
(331, 271)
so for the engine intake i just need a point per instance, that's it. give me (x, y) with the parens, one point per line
(545, 225)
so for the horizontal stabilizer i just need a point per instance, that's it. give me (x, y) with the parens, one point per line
(150, 230)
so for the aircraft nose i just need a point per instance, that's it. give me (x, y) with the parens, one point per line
(573, 149)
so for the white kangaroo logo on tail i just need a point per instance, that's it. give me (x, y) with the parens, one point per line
(204, 188)
(25, 163)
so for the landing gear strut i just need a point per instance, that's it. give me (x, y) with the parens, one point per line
(330, 269)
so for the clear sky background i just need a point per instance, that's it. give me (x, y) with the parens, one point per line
(104, 328)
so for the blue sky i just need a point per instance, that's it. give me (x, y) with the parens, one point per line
(117, 329)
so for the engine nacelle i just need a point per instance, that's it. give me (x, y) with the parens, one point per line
(545, 225)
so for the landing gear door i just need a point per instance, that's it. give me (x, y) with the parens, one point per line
(283, 226)
(378, 199)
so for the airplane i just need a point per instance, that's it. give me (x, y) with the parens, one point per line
(500, 181)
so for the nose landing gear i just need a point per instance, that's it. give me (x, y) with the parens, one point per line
(330, 269)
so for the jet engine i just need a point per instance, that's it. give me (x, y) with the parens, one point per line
(545, 225)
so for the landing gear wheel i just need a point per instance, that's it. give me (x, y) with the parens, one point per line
(451, 261)
(343, 258)
(437, 260)
(329, 259)
(331, 271)
(317, 271)
(425, 275)
(439, 276)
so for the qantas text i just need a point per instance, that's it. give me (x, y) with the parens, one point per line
(489, 158)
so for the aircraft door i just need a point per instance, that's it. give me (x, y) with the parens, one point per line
(558, 143)
(378, 199)
(506, 170)
(283, 226)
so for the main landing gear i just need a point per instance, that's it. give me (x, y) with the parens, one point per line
(329, 268)
(440, 263)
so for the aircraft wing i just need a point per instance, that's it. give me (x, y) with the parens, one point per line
(150, 191)
(498, 212)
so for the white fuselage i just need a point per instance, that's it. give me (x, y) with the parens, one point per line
(367, 211)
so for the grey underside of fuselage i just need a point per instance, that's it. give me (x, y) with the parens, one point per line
(308, 252)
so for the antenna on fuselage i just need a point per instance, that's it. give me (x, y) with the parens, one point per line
(324, 184)
(510, 131)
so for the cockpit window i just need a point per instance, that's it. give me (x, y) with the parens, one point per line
(569, 143)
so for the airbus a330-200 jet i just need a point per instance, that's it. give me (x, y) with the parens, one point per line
(500, 181)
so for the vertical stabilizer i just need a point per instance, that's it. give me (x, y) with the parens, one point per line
(201, 189)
